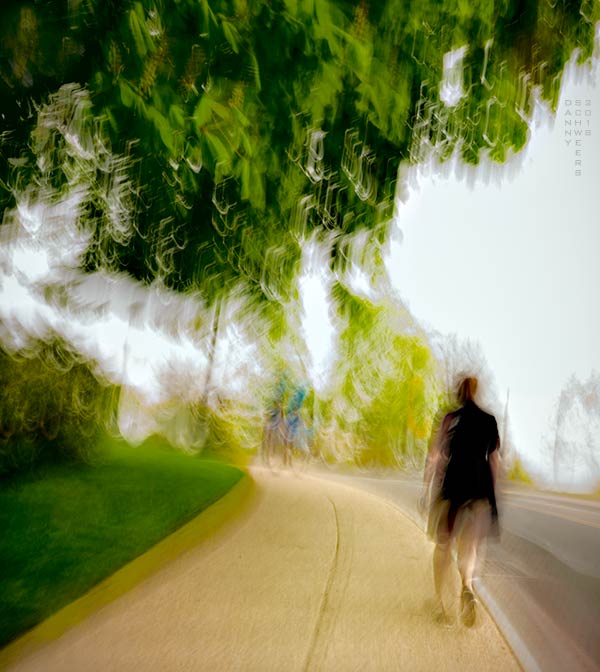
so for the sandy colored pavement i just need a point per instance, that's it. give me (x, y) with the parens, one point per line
(309, 575)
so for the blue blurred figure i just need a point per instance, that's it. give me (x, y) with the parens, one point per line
(295, 432)
(274, 431)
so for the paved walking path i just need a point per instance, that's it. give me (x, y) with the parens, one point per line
(308, 575)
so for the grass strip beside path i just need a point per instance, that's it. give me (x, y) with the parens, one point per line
(67, 527)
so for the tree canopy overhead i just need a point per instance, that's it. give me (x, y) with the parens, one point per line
(203, 142)
(207, 144)
(247, 124)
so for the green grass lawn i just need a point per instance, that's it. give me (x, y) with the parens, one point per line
(66, 527)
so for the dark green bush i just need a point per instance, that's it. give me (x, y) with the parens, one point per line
(52, 406)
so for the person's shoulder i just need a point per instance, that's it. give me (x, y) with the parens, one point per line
(450, 415)
(489, 421)
(445, 422)
(489, 416)
(482, 411)
(451, 420)
(485, 414)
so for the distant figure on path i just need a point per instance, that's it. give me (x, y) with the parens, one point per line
(274, 427)
(273, 432)
(295, 434)
(459, 483)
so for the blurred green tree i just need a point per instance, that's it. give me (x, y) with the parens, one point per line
(243, 127)
(385, 388)
(249, 123)
(52, 406)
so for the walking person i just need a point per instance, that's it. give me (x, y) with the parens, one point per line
(273, 432)
(459, 482)
(294, 441)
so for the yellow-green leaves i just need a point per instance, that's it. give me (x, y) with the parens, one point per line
(207, 90)
(177, 116)
(139, 31)
(203, 112)
(231, 34)
(162, 125)
(128, 95)
(219, 149)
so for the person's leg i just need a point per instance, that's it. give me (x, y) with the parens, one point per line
(467, 555)
(441, 555)
(284, 450)
(473, 531)
(441, 562)
(287, 452)
(267, 445)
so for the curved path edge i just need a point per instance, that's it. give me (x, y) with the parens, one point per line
(306, 574)
(222, 514)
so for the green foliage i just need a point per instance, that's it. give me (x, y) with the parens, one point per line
(233, 130)
(67, 527)
(233, 432)
(219, 102)
(388, 380)
(53, 408)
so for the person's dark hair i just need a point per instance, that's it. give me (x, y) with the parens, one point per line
(466, 390)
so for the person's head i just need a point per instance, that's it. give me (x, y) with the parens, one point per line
(467, 389)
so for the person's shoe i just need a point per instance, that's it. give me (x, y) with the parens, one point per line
(441, 616)
(468, 607)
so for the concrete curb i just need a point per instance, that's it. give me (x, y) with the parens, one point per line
(512, 637)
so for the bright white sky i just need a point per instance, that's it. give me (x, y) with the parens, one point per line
(513, 264)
